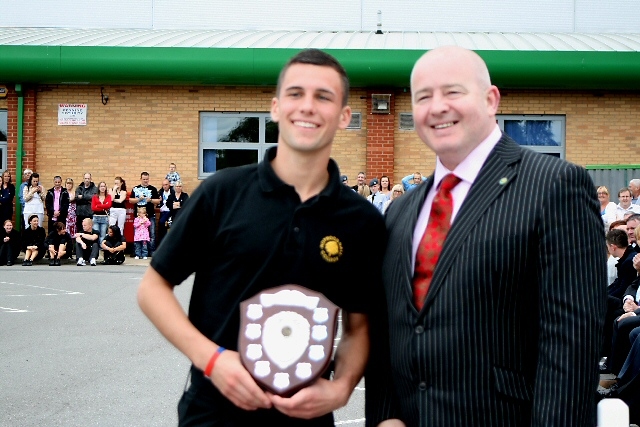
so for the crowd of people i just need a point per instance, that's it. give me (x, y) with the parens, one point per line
(621, 338)
(381, 192)
(86, 219)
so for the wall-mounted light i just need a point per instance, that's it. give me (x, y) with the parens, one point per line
(380, 103)
(105, 98)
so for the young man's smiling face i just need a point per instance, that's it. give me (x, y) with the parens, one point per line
(309, 108)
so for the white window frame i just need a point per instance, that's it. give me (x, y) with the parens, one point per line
(554, 150)
(260, 146)
(4, 151)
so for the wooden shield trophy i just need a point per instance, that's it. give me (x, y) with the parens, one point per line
(286, 337)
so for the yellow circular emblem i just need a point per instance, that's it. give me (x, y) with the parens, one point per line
(330, 248)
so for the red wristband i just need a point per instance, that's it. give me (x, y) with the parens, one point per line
(212, 362)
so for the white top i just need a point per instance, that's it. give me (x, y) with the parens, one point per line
(35, 205)
(621, 212)
(467, 171)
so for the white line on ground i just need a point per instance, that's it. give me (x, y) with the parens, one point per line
(40, 287)
(13, 310)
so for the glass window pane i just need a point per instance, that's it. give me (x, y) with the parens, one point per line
(271, 132)
(535, 132)
(3, 125)
(230, 129)
(215, 160)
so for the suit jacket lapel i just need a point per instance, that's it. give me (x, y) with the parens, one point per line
(406, 223)
(495, 176)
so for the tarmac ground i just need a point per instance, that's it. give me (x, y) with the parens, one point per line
(75, 350)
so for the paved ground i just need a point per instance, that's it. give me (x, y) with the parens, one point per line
(75, 350)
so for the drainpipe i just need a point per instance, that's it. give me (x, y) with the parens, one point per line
(19, 151)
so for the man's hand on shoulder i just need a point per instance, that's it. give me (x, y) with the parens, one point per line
(236, 384)
(320, 398)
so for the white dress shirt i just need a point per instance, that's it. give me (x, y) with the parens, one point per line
(467, 171)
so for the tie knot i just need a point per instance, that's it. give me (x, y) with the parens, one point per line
(448, 182)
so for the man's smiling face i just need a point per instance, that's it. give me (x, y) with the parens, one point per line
(309, 108)
(453, 106)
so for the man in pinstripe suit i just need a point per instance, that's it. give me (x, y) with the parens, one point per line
(510, 330)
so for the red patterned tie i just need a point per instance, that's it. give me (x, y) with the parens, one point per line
(433, 239)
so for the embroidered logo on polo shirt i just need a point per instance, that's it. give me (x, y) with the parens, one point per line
(331, 248)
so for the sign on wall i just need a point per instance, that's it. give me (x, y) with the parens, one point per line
(72, 114)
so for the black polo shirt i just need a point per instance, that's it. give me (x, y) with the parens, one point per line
(244, 231)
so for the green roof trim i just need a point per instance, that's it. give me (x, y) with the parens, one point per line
(99, 65)
(612, 167)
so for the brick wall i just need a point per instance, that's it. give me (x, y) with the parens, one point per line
(601, 127)
(145, 128)
(350, 145)
(380, 138)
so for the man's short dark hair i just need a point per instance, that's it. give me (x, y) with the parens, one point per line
(623, 189)
(57, 177)
(144, 174)
(321, 59)
(618, 238)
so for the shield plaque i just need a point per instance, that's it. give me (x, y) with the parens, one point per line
(286, 337)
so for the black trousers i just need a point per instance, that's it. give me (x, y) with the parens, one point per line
(92, 251)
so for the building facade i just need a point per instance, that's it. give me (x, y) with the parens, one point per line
(160, 91)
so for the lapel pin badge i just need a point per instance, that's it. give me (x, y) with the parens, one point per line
(503, 181)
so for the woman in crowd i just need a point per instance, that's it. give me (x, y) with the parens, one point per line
(100, 205)
(58, 241)
(118, 213)
(113, 246)
(607, 207)
(385, 186)
(33, 241)
(33, 196)
(397, 191)
(9, 243)
(7, 194)
(175, 202)
(71, 215)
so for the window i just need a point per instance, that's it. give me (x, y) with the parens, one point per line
(3, 140)
(545, 134)
(234, 139)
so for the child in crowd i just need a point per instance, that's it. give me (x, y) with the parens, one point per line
(141, 233)
(173, 176)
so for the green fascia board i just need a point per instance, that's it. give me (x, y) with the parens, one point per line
(612, 167)
(260, 67)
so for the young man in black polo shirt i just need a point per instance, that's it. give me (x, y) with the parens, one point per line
(287, 220)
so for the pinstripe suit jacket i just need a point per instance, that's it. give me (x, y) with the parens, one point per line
(510, 331)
